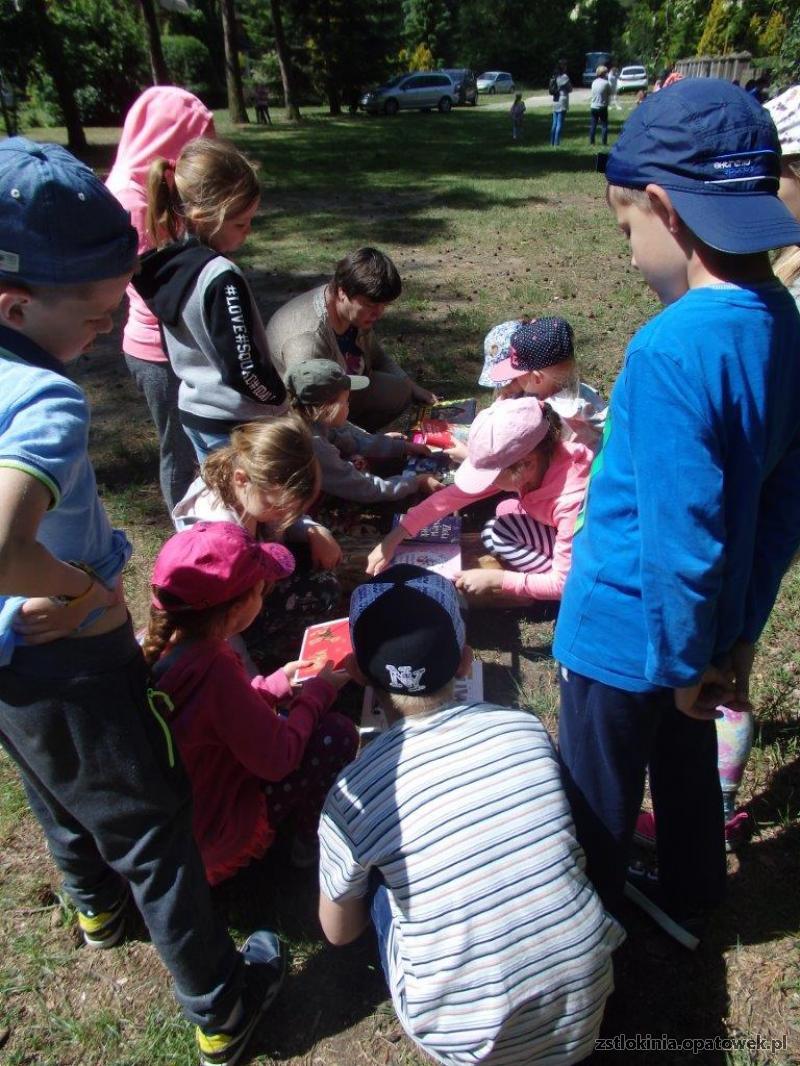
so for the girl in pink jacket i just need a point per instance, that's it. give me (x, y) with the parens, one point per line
(160, 122)
(514, 446)
(250, 768)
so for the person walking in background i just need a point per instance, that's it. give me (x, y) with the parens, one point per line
(517, 115)
(613, 82)
(261, 99)
(601, 94)
(161, 122)
(560, 88)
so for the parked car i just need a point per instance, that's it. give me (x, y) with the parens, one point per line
(634, 77)
(495, 81)
(466, 86)
(422, 90)
(593, 61)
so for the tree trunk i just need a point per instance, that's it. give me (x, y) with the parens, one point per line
(233, 73)
(284, 62)
(56, 68)
(158, 65)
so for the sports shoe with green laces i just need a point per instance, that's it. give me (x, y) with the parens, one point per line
(104, 929)
(264, 972)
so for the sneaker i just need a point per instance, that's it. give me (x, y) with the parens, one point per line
(737, 830)
(265, 970)
(104, 929)
(642, 889)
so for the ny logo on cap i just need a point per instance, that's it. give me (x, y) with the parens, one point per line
(405, 677)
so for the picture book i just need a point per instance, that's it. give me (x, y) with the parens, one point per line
(459, 412)
(326, 642)
(444, 559)
(438, 464)
(437, 433)
(373, 722)
(446, 530)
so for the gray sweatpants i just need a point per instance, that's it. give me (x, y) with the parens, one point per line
(114, 801)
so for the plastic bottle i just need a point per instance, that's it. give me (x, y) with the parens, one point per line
(734, 743)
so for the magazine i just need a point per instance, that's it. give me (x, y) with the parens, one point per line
(446, 530)
(444, 559)
(326, 642)
(437, 433)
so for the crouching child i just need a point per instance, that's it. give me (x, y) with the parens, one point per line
(452, 833)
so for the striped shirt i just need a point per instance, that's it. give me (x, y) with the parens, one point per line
(500, 950)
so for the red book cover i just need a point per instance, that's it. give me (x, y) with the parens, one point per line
(326, 642)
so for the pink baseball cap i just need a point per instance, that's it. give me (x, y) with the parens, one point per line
(211, 563)
(499, 437)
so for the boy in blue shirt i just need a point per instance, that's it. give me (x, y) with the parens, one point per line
(693, 509)
(96, 760)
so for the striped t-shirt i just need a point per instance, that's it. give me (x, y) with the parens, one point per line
(500, 950)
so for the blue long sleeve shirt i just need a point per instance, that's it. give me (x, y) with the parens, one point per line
(693, 510)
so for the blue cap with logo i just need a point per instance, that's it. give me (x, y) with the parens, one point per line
(715, 150)
(59, 225)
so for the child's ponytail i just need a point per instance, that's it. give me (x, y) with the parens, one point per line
(160, 629)
(165, 220)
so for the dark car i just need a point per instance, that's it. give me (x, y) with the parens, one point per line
(465, 86)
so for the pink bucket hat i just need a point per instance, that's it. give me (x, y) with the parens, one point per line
(211, 563)
(499, 437)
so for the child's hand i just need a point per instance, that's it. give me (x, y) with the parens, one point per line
(337, 678)
(427, 484)
(458, 452)
(417, 449)
(423, 395)
(474, 582)
(291, 668)
(42, 619)
(326, 554)
(702, 699)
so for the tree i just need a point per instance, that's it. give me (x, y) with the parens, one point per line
(284, 62)
(158, 64)
(428, 22)
(233, 72)
(52, 53)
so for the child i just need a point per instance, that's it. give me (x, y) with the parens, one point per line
(320, 392)
(160, 122)
(264, 480)
(213, 334)
(613, 84)
(514, 446)
(692, 512)
(785, 111)
(250, 768)
(114, 806)
(453, 834)
(536, 357)
(517, 115)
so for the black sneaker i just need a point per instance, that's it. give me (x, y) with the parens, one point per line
(265, 969)
(642, 889)
(104, 929)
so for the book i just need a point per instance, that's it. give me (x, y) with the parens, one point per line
(438, 464)
(437, 433)
(444, 559)
(373, 722)
(325, 642)
(446, 530)
(459, 412)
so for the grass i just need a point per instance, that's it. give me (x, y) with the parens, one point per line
(482, 229)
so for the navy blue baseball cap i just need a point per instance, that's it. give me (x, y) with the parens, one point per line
(59, 225)
(536, 345)
(715, 150)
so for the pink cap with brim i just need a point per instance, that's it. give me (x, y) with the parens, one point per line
(499, 437)
(213, 562)
(505, 371)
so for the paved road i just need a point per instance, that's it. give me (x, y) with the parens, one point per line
(577, 96)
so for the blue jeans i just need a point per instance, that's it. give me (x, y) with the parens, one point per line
(556, 127)
(599, 115)
(206, 441)
(607, 740)
(159, 384)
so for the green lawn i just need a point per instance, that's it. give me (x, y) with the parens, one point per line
(481, 229)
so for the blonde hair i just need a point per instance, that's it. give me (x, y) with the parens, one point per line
(623, 196)
(317, 412)
(787, 265)
(405, 705)
(210, 182)
(546, 446)
(277, 457)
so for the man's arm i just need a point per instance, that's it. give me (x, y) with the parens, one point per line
(344, 922)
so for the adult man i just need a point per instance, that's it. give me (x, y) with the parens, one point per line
(335, 321)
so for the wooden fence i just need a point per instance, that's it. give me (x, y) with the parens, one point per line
(738, 65)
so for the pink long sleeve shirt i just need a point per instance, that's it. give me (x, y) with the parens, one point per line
(556, 502)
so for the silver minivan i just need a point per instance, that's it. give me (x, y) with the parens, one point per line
(421, 90)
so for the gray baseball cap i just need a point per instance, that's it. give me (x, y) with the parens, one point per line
(321, 381)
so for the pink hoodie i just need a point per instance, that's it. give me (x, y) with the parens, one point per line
(555, 503)
(160, 123)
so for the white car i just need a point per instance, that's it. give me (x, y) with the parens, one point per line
(632, 78)
(495, 81)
